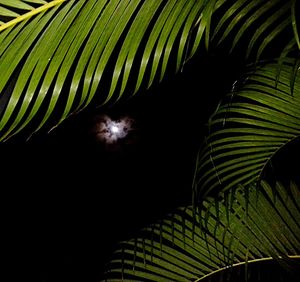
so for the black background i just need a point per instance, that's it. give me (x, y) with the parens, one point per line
(68, 200)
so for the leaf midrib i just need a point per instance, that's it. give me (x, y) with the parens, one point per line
(243, 263)
(31, 13)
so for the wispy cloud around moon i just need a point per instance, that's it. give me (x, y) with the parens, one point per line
(111, 131)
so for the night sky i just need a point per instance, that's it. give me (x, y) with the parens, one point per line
(68, 199)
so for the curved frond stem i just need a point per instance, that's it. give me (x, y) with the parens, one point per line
(28, 15)
(242, 263)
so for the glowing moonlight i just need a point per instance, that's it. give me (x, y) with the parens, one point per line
(110, 131)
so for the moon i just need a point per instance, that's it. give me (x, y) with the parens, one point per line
(111, 131)
(114, 129)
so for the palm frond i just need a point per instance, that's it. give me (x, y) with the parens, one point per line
(77, 52)
(57, 57)
(244, 233)
(248, 129)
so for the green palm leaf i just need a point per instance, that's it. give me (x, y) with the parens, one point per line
(184, 248)
(57, 57)
(248, 129)
(61, 58)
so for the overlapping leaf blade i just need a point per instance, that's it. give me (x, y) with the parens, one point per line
(264, 20)
(248, 128)
(168, 252)
(57, 61)
(122, 45)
